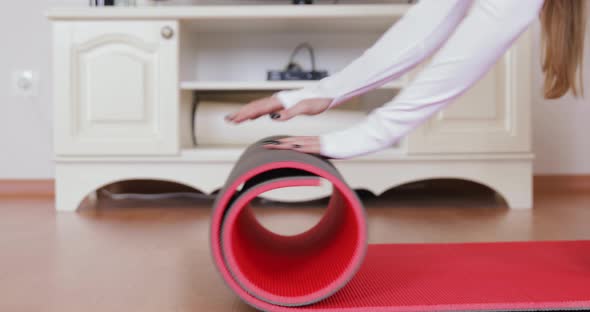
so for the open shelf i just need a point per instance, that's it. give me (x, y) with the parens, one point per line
(262, 85)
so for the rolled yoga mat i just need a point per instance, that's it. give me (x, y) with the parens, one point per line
(210, 127)
(331, 267)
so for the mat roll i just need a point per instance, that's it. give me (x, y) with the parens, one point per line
(331, 267)
(210, 127)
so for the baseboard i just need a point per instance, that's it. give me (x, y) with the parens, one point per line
(45, 188)
(28, 188)
(562, 183)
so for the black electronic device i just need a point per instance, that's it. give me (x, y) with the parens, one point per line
(294, 71)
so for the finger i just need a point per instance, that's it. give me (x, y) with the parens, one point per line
(298, 140)
(288, 140)
(278, 147)
(282, 143)
(253, 110)
(309, 145)
(286, 114)
(249, 111)
(243, 115)
(286, 143)
(231, 116)
(302, 144)
(303, 149)
(234, 116)
(255, 114)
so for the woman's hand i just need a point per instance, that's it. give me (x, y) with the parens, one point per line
(273, 107)
(304, 144)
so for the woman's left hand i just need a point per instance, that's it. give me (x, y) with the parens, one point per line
(304, 144)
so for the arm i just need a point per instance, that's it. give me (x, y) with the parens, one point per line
(482, 38)
(419, 33)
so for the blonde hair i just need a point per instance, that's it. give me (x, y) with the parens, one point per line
(564, 25)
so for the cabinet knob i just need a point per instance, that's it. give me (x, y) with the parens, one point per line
(167, 32)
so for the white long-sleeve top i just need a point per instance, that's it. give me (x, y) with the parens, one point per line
(467, 37)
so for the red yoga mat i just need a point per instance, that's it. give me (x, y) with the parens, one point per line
(331, 267)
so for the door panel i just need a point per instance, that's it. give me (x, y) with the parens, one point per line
(121, 94)
(493, 116)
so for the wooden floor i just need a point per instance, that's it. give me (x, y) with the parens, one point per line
(154, 256)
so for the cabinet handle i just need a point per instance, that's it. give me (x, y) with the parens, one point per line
(167, 32)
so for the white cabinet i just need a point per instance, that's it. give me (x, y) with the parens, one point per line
(116, 88)
(492, 117)
(122, 111)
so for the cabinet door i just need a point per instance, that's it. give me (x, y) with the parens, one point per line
(494, 116)
(116, 89)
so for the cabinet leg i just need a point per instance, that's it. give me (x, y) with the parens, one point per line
(66, 200)
(520, 196)
(93, 196)
(70, 190)
(515, 185)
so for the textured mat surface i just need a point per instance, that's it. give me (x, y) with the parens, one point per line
(331, 268)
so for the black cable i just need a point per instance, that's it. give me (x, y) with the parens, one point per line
(309, 49)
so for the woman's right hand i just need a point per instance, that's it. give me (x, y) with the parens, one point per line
(273, 107)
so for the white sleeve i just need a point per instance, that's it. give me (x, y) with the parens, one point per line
(485, 34)
(416, 36)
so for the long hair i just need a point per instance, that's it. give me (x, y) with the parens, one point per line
(564, 25)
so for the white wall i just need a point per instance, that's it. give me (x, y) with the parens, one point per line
(25, 134)
(561, 127)
(561, 137)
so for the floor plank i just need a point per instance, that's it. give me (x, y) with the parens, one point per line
(154, 255)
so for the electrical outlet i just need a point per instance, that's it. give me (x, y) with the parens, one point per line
(25, 83)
